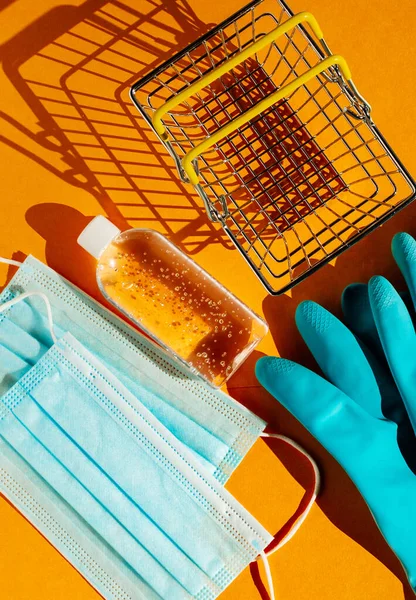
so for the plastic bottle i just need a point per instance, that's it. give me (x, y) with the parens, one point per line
(172, 299)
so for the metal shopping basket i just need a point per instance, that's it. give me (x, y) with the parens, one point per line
(268, 126)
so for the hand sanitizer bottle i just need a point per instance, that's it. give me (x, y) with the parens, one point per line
(167, 295)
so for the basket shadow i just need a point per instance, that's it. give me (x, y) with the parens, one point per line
(73, 67)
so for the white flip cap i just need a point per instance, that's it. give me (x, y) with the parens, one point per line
(97, 235)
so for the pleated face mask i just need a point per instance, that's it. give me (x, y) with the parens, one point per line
(127, 503)
(116, 454)
(213, 426)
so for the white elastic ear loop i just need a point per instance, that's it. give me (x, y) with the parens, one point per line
(269, 577)
(6, 305)
(14, 301)
(317, 481)
(9, 261)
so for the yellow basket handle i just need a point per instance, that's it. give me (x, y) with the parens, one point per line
(300, 18)
(264, 104)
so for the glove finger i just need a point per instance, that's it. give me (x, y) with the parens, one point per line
(403, 248)
(398, 338)
(359, 318)
(339, 355)
(338, 423)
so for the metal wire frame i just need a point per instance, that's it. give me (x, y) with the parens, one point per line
(256, 222)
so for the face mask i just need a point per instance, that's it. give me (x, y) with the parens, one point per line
(26, 335)
(215, 428)
(125, 484)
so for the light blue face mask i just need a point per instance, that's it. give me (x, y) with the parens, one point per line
(217, 429)
(127, 503)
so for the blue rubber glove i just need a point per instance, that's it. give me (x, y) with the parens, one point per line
(368, 394)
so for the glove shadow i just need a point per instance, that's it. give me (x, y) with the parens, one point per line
(339, 500)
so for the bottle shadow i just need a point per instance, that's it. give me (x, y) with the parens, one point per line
(60, 226)
(5, 3)
(339, 499)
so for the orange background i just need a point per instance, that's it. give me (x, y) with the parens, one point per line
(49, 192)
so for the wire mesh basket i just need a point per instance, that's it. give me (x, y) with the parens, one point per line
(268, 126)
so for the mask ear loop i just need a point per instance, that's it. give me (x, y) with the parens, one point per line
(317, 482)
(9, 261)
(46, 300)
(6, 305)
